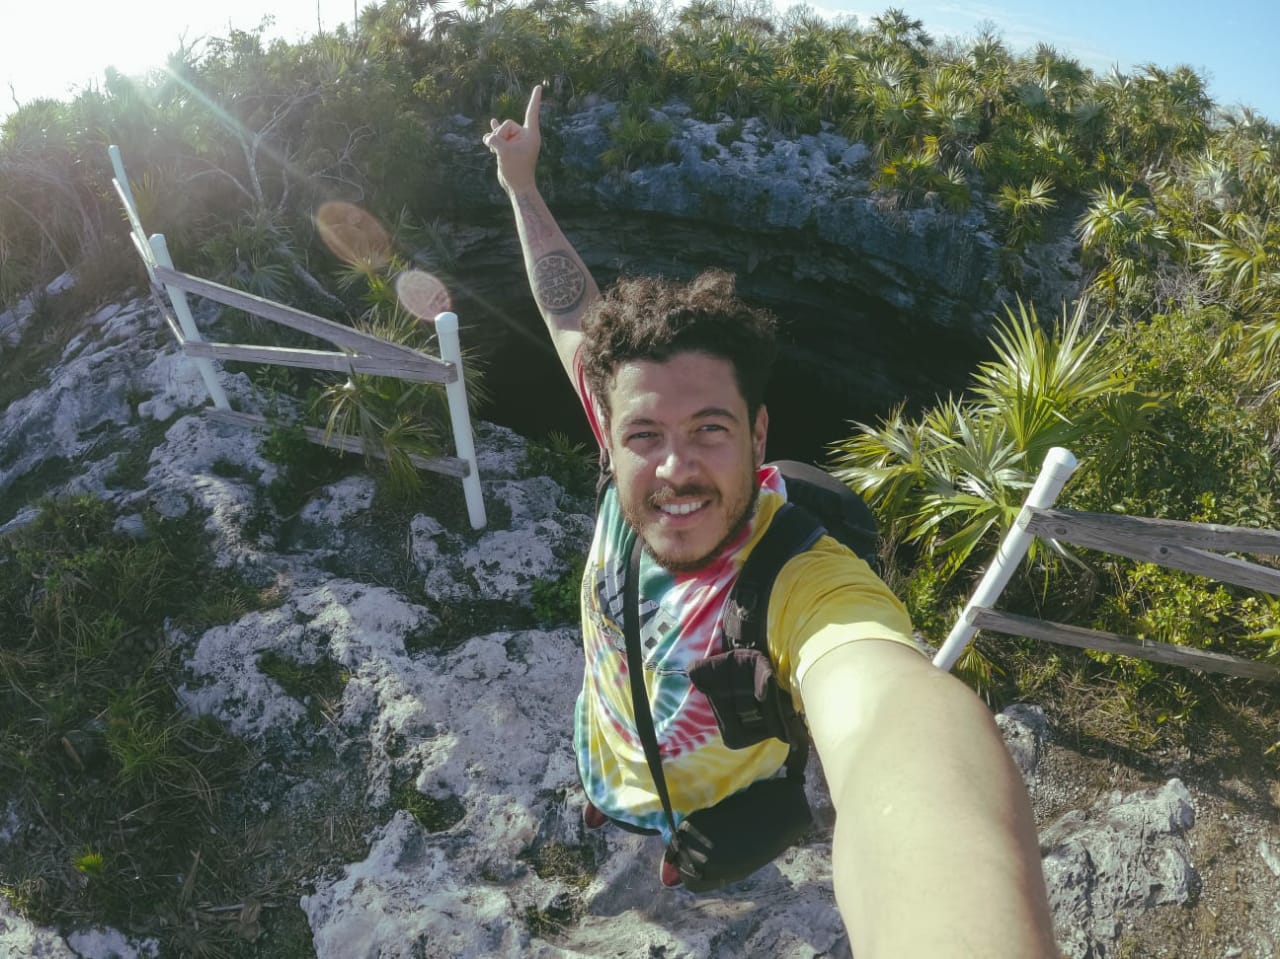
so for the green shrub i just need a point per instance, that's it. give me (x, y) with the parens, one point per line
(319, 685)
(556, 601)
(570, 464)
(432, 813)
(90, 725)
(730, 133)
(636, 139)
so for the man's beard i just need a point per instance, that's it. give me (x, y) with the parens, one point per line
(675, 565)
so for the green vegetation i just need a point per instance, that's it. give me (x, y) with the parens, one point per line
(319, 685)
(575, 866)
(432, 814)
(284, 127)
(304, 467)
(132, 463)
(636, 138)
(35, 483)
(395, 419)
(1168, 418)
(556, 602)
(234, 152)
(570, 464)
(128, 787)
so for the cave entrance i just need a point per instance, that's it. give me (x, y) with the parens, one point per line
(812, 398)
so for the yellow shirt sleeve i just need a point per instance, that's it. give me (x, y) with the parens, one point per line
(824, 586)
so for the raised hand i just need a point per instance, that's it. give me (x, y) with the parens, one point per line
(558, 279)
(516, 146)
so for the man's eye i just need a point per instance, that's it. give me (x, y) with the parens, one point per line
(642, 435)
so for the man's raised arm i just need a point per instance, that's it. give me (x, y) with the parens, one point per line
(562, 287)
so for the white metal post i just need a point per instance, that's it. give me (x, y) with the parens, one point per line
(464, 441)
(1059, 464)
(188, 323)
(117, 164)
(136, 232)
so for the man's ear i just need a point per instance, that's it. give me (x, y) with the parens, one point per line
(760, 434)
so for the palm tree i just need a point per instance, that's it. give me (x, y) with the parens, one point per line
(956, 477)
(1023, 208)
(1059, 78)
(1252, 146)
(889, 111)
(1243, 260)
(1044, 387)
(915, 180)
(895, 33)
(1117, 96)
(1155, 115)
(1124, 234)
(949, 101)
(991, 65)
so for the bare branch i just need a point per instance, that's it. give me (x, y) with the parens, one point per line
(66, 265)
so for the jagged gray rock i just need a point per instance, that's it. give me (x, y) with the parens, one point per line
(1122, 857)
(1025, 729)
(13, 322)
(1270, 853)
(23, 939)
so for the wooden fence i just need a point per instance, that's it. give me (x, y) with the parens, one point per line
(358, 352)
(1196, 548)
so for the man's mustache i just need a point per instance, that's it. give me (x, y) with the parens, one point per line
(664, 497)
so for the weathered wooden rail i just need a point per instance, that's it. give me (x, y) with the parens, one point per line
(1195, 548)
(358, 352)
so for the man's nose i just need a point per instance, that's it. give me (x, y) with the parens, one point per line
(678, 463)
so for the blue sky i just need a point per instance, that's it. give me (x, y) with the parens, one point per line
(1229, 41)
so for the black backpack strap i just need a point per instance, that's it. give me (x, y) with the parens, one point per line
(635, 673)
(843, 512)
(793, 530)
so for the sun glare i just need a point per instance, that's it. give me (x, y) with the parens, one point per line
(353, 234)
(422, 294)
(56, 52)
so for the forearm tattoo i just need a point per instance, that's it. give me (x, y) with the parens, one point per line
(559, 283)
(535, 226)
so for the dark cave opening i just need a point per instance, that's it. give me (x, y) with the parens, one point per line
(812, 399)
(857, 337)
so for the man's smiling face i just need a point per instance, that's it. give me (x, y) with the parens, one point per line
(684, 455)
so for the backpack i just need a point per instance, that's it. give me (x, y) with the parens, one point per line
(740, 681)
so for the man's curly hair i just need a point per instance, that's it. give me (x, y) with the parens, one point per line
(651, 318)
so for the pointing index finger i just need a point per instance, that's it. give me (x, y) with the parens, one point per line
(531, 111)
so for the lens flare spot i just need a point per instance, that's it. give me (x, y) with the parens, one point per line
(422, 294)
(353, 234)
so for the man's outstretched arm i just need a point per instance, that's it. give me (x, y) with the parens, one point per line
(561, 285)
(935, 851)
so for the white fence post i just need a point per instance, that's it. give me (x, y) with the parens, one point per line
(464, 441)
(136, 232)
(1059, 464)
(374, 355)
(178, 298)
(117, 164)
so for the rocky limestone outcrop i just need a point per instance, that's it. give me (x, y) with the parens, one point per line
(879, 304)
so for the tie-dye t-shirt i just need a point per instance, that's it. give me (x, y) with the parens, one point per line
(680, 622)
